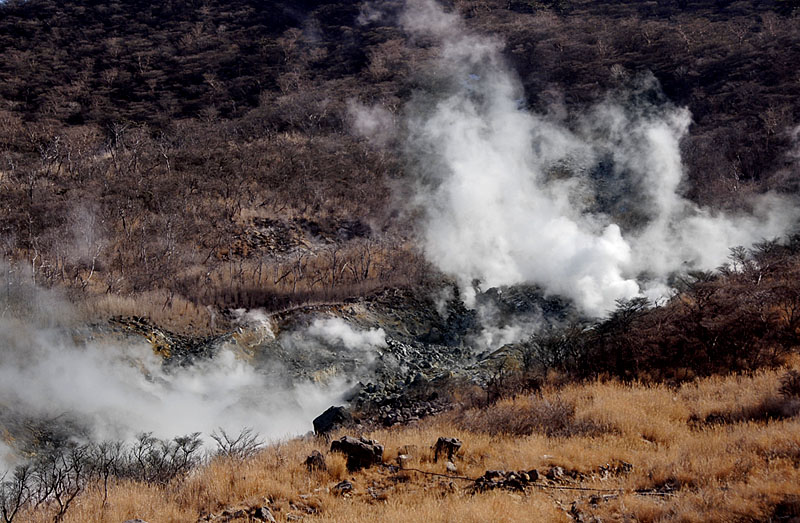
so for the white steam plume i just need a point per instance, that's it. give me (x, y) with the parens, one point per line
(495, 210)
(116, 390)
(337, 331)
(492, 337)
(119, 392)
(498, 331)
(375, 123)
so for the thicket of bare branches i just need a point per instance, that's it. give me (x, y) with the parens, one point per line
(56, 475)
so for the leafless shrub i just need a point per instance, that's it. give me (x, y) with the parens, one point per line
(15, 492)
(246, 445)
(152, 460)
(790, 385)
(59, 477)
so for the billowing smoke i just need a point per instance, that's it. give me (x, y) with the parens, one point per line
(494, 337)
(510, 196)
(332, 346)
(116, 391)
(72, 381)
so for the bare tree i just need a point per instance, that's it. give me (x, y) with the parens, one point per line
(15, 493)
(245, 445)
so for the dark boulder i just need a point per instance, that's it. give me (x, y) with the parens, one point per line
(361, 453)
(316, 461)
(331, 419)
(446, 447)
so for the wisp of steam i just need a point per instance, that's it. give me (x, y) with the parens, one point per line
(498, 207)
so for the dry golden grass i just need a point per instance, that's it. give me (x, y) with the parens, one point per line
(688, 467)
(307, 277)
(172, 310)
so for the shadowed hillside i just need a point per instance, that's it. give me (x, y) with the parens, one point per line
(163, 157)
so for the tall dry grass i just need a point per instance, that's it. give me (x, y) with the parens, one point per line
(693, 458)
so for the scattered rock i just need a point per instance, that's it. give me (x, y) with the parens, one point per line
(361, 453)
(519, 481)
(255, 513)
(510, 480)
(451, 467)
(331, 419)
(137, 520)
(342, 487)
(555, 474)
(263, 514)
(403, 460)
(447, 447)
(175, 349)
(614, 468)
(316, 461)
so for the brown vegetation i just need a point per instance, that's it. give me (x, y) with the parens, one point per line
(180, 157)
(691, 458)
(173, 159)
(743, 316)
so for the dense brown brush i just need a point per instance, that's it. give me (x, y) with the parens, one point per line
(124, 171)
(790, 385)
(551, 415)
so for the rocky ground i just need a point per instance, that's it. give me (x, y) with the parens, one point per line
(429, 345)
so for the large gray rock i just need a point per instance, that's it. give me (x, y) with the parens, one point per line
(361, 453)
(263, 514)
(446, 447)
(331, 419)
(316, 461)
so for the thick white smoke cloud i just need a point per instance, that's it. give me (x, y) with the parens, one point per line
(118, 392)
(495, 210)
(115, 390)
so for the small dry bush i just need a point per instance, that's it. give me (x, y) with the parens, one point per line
(767, 398)
(790, 385)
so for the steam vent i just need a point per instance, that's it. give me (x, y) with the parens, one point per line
(399, 260)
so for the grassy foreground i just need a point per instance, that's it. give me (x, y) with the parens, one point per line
(717, 449)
